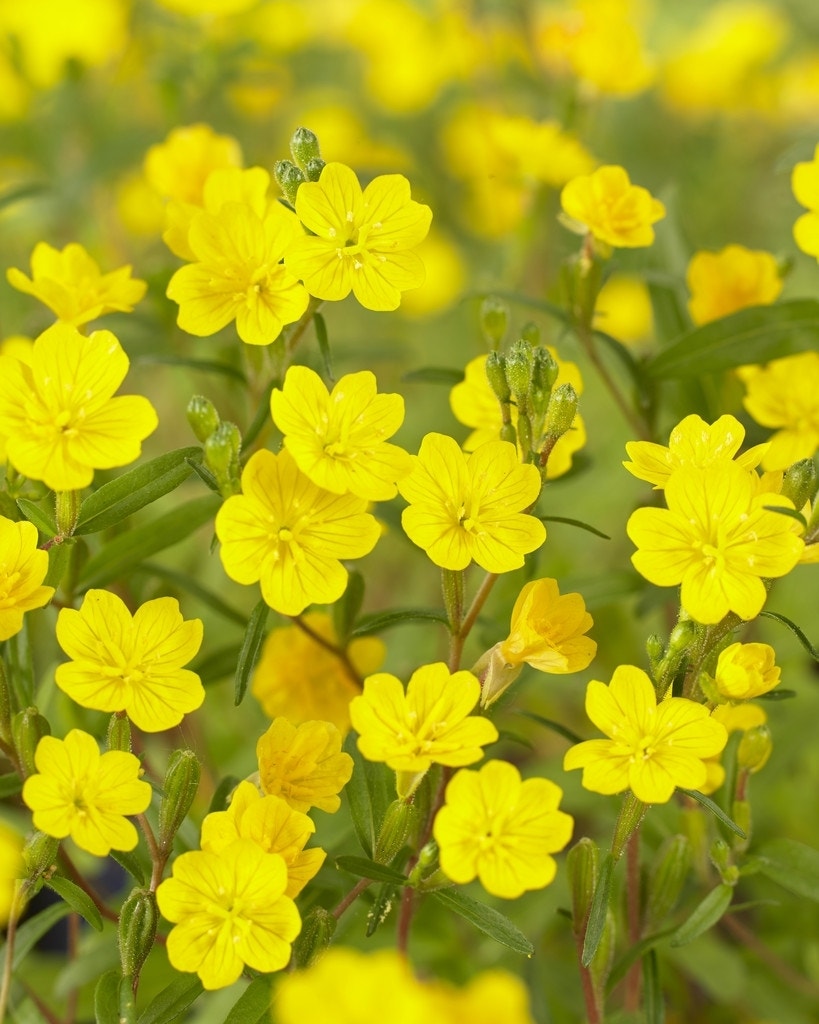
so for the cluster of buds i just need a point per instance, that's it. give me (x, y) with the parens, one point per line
(222, 442)
(306, 164)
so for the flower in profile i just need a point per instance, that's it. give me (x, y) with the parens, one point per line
(304, 765)
(130, 663)
(339, 439)
(361, 241)
(270, 823)
(301, 679)
(238, 274)
(23, 567)
(81, 793)
(230, 910)
(735, 278)
(805, 184)
(614, 211)
(59, 415)
(652, 748)
(693, 442)
(501, 830)
(464, 508)
(745, 671)
(290, 535)
(784, 395)
(69, 282)
(717, 539)
(473, 403)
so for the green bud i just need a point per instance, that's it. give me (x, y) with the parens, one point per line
(316, 932)
(222, 450)
(754, 749)
(138, 919)
(655, 648)
(289, 178)
(562, 411)
(582, 865)
(119, 733)
(682, 636)
(27, 729)
(40, 854)
(202, 417)
(494, 315)
(720, 855)
(496, 375)
(179, 788)
(304, 147)
(544, 375)
(666, 878)
(519, 366)
(801, 482)
(398, 822)
(314, 168)
(531, 332)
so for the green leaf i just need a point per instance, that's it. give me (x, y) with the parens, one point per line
(31, 931)
(346, 609)
(793, 513)
(106, 997)
(195, 589)
(205, 475)
(363, 867)
(369, 793)
(384, 901)
(800, 636)
(792, 865)
(575, 522)
(377, 623)
(132, 864)
(124, 553)
(324, 345)
(754, 335)
(203, 365)
(652, 990)
(715, 809)
(434, 375)
(704, 916)
(253, 1005)
(491, 922)
(120, 498)
(59, 556)
(79, 901)
(598, 910)
(16, 193)
(548, 723)
(10, 785)
(254, 635)
(219, 800)
(633, 954)
(42, 520)
(172, 1001)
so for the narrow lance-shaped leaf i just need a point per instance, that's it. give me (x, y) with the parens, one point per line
(79, 901)
(597, 913)
(365, 868)
(486, 919)
(704, 916)
(172, 1001)
(253, 1005)
(793, 865)
(378, 622)
(715, 809)
(254, 635)
(36, 514)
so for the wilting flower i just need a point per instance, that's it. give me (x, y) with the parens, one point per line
(304, 766)
(734, 278)
(784, 395)
(614, 211)
(23, 567)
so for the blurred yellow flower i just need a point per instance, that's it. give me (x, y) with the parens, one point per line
(734, 278)
(11, 869)
(23, 567)
(745, 671)
(501, 830)
(623, 309)
(488, 998)
(179, 167)
(304, 766)
(69, 282)
(464, 508)
(444, 281)
(652, 748)
(291, 535)
(784, 395)
(361, 241)
(735, 717)
(805, 184)
(614, 211)
(81, 793)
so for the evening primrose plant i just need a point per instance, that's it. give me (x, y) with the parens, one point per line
(422, 794)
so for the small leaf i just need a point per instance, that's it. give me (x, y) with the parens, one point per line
(792, 513)
(42, 520)
(792, 865)
(491, 922)
(575, 522)
(800, 636)
(777, 695)
(10, 785)
(548, 723)
(219, 800)
(253, 1005)
(254, 635)
(363, 867)
(369, 794)
(324, 345)
(59, 556)
(346, 609)
(377, 623)
(434, 375)
(598, 910)
(715, 809)
(79, 901)
(172, 1001)
(16, 193)
(106, 997)
(132, 864)
(205, 475)
(704, 916)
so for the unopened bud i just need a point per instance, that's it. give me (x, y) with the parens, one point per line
(544, 375)
(40, 854)
(395, 828)
(562, 411)
(494, 320)
(496, 675)
(27, 729)
(222, 450)
(754, 749)
(304, 147)
(801, 482)
(317, 930)
(531, 332)
(119, 733)
(202, 417)
(508, 433)
(666, 879)
(179, 788)
(655, 648)
(496, 375)
(582, 866)
(519, 366)
(289, 178)
(314, 168)
(138, 919)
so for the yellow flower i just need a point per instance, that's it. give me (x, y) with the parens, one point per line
(784, 395)
(652, 748)
(59, 416)
(501, 830)
(735, 718)
(430, 724)
(290, 535)
(270, 823)
(238, 275)
(693, 443)
(488, 998)
(301, 680)
(474, 404)
(69, 282)
(470, 508)
(179, 167)
(131, 663)
(445, 277)
(616, 212)
(81, 793)
(745, 671)
(230, 910)
(361, 241)
(805, 183)
(11, 869)
(623, 309)
(22, 570)
(734, 278)
(304, 766)
(717, 539)
(339, 439)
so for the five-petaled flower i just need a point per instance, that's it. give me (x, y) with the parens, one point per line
(614, 211)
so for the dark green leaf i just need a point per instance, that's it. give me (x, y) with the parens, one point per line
(754, 335)
(30, 932)
(125, 552)
(202, 365)
(366, 868)
(205, 475)
(491, 922)
(704, 916)
(548, 723)
(191, 586)
(369, 794)
(10, 785)
(715, 809)
(792, 865)
(793, 513)
(668, 310)
(253, 1005)
(120, 498)
(384, 902)
(324, 345)
(106, 998)
(219, 800)
(172, 1001)
(434, 375)
(59, 556)
(800, 636)
(377, 623)
(575, 522)
(35, 514)
(254, 635)
(79, 901)
(346, 609)
(652, 990)
(598, 910)
(133, 865)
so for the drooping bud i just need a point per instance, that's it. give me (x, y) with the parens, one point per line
(494, 315)
(202, 417)
(317, 930)
(138, 919)
(562, 411)
(119, 733)
(582, 865)
(398, 822)
(801, 482)
(496, 375)
(304, 147)
(495, 674)
(289, 178)
(179, 788)
(27, 729)
(754, 749)
(222, 450)
(666, 878)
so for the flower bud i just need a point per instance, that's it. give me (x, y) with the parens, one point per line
(222, 450)
(395, 828)
(509, 434)
(304, 147)
(494, 320)
(27, 729)
(317, 930)
(801, 482)
(562, 411)
(666, 878)
(496, 675)
(721, 859)
(313, 169)
(119, 733)
(544, 375)
(179, 788)
(519, 366)
(496, 375)
(531, 332)
(289, 178)
(40, 854)
(138, 919)
(655, 648)
(582, 865)
(202, 417)
(754, 749)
